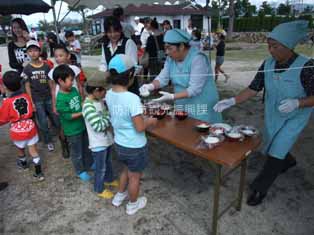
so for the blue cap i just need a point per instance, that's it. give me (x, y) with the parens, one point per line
(121, 63)
(290, 34)
(177, 36)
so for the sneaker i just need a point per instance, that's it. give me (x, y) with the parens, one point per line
(50, 147)
(119, 198)
(22, 164)
(84, 176)
(39, 176)
(133, 207)
(114, 183)
(106, 194)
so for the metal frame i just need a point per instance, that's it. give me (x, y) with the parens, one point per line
(219, 180)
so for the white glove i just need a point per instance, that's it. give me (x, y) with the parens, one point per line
(145, 89)
(224, 104)
(165, 97)
(288, 105)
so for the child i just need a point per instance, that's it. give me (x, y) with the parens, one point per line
(62, 56)
(44, 58)
(129, 132)
(100, 138)
(74, 45)
(38, 86)
(69, 107)
(18, 110)
(81, 76)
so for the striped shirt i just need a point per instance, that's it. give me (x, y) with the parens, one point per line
(97, 122)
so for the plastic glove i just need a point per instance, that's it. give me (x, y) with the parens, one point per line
(145, 89)
(288, 105)
(165, 97)
(224, 104)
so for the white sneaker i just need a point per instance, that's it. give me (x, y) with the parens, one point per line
(119, 198)
(133, 207)
(50, 147)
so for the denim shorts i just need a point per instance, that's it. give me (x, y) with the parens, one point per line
(220, 60)
(136, 159)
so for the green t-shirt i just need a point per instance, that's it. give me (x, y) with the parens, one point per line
(68, 104)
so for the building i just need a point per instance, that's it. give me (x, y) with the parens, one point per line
(178, 15)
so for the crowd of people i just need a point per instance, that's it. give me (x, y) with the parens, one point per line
(91, 120)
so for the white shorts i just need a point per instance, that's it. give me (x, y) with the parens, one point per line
(23, 143)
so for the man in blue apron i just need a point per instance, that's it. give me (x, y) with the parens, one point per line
(190, 72)
(288, 81)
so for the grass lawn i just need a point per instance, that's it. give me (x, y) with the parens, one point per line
(261, 52)
(245, 55)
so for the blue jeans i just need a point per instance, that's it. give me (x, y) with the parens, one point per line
(103, 172)
(43, 111)
(79, 152)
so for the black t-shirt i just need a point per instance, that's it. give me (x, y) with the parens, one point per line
(151, 47)
(38, 79)
(306, 77)
(220, 48)
(17, 56)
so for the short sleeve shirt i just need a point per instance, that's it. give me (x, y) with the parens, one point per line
(38, 79)
(123, 106)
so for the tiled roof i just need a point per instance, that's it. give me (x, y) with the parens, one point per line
(167, 10)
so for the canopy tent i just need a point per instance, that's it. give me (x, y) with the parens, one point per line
(92, 4)
(25, 7)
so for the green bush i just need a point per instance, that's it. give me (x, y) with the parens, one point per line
(259, 23)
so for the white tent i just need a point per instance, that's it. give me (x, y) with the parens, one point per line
(92, 4)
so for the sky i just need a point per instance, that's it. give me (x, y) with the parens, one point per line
(33, 19)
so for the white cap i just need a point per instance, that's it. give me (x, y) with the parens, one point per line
(31, 43)
(136, 18)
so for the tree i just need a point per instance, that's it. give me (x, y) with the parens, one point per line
(308, 9)
(244, 8)
(284, 9)
(231, 19)
(265, 9)
(44, 26)
(82, 10)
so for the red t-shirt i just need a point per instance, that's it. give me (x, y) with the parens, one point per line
(18, 111)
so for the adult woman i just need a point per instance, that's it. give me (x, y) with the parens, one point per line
(220, 57)
(288, 80)
(116, 43)
(17, 47)
(155, 49)
(190, 73)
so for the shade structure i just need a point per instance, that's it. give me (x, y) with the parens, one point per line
(25, 7)
(92, 4)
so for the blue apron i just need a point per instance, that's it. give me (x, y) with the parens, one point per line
(283, 129)
(201, 106)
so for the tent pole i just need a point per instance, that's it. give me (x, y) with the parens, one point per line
(53, 3)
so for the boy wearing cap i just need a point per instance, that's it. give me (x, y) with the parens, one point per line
(100, 138)
(129, 125)
(37, 86)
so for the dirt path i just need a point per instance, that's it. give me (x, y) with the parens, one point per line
(179, 192)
